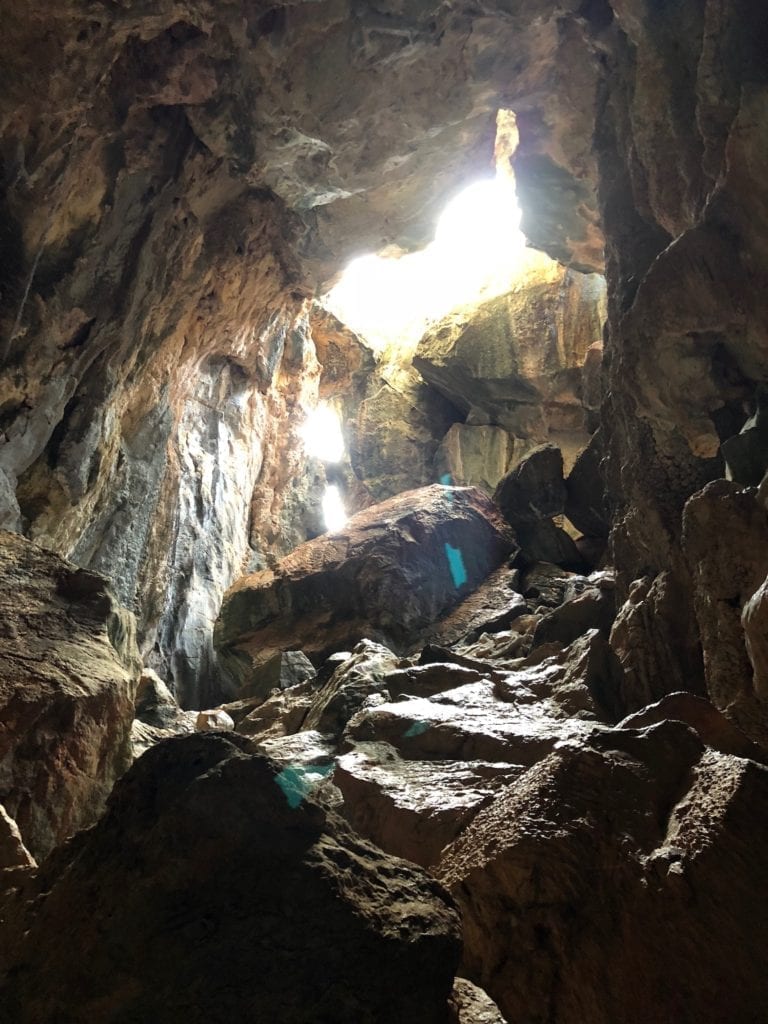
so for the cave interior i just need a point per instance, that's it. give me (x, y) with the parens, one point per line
(384, 512)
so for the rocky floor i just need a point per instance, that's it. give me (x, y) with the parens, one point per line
(604, 869)
(472, 791)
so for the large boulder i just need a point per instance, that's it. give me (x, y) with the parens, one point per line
(529, 496)
(622, 879)
(211, 891)
(516, 360)
(394, 570)
(534, 489)
(585, 503)
(351, 686)
(414, 808)
(472, 722)
(68, 673)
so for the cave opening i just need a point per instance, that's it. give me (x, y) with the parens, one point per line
(323, 439)
(483, 348)
(477, 251)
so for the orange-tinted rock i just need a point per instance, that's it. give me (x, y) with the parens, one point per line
(515, 361)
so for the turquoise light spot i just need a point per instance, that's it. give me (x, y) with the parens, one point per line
(446, 479)
(456, 565)
(297, 782)
(415, 729)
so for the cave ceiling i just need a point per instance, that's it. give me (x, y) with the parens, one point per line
(360, 119)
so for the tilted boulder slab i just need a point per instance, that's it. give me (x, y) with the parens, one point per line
(470, 723)
(393, 571)
(68, 674)
(534, 489)
(211, 891)
(529, 495)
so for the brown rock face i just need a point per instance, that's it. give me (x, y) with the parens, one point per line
(176, 179)
(415, 808)
(680, 137)
(725, 540)
(68, 673)
(564, 879)
(516, 361)
(204, 839)
(392, 572)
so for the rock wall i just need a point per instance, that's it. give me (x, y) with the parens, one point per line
(175, 179)
(680, 138)
(480, 388)
(69, 672)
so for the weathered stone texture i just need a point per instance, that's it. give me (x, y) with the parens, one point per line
(615, 880)
(515, 361)
(68, 673)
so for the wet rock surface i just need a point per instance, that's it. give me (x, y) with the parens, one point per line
(175, 181)
(414, 808)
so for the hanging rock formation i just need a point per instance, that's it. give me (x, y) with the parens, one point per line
(517, 361)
